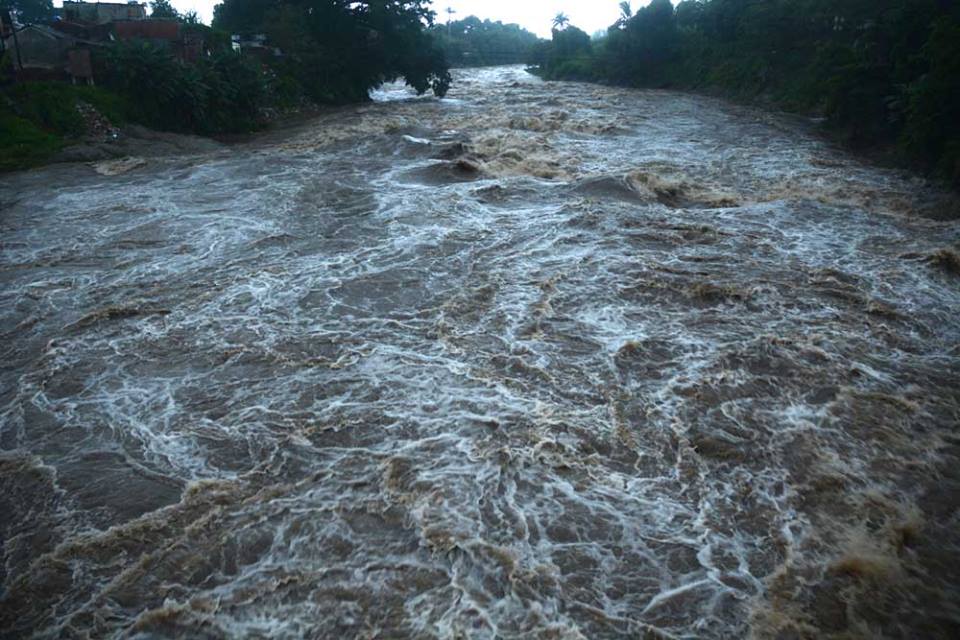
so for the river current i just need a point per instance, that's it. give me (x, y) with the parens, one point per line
(537, 360)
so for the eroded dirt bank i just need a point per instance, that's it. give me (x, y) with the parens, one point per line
(534, 361)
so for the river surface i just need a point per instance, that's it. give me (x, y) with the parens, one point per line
(538, 360)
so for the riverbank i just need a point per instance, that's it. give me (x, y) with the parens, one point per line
(46, 123)
(52, 123)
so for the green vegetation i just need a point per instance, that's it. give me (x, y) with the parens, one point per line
(318, 51)
(37, 118)
(884, 73)
(140, 83)
(336, 51)
(569, 55)
(163, 9)
(220, 93)
(23, 144)
(475, 43)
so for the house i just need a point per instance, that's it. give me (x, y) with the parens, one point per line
(158, 32)
(42, 52)
(168, 34)
(62, 49)
(102, 12)
(84, 30)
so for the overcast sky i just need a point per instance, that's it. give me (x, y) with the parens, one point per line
(535, 15)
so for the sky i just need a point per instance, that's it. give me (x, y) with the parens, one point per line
(535, 15)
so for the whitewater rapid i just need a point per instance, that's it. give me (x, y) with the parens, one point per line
(537, 360)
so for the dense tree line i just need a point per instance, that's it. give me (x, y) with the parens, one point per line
(335, 51)
(883, 72)
(472, 42)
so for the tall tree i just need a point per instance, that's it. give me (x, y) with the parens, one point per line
(163, 9)
(337, 50)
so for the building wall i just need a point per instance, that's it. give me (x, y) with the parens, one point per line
(37, 49)
(147, 29)
(103, 12)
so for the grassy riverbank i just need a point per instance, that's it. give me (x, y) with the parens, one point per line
(37, 119)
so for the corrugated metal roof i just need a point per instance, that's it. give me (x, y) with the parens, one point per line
(51, 33)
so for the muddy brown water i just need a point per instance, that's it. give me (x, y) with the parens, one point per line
(533, 361)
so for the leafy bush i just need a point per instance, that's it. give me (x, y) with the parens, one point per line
(48, 106)
(22, 143)
(934, 102)
(222, 93)
(337, 51)
(38, 118)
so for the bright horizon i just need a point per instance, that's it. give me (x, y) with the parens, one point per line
(534, 15)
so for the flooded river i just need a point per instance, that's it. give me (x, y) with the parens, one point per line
(538, 360)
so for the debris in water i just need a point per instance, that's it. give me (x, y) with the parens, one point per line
(118, 167)
(946, 259)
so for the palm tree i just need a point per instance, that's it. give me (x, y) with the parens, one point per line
(560, 21)
(626, 12)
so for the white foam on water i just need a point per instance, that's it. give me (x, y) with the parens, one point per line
(640, 365)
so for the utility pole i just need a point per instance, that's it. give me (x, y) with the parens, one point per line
(6, 21)
(450, 12)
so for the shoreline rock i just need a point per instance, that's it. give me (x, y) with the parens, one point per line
(137, 141)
